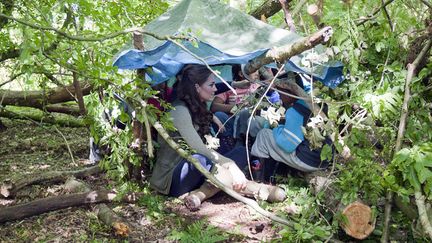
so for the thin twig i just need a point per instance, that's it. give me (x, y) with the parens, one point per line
(11, 79)
(298, 7)
(387, 15)
(372, 16)
(384, 69)
(67, 144)
(252, 116)
(360, 114)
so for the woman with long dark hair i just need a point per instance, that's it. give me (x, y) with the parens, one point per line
(175, 176)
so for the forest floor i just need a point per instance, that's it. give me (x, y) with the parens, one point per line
(27, 148)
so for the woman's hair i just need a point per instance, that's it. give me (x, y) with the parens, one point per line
(237, 72)
(186, 91)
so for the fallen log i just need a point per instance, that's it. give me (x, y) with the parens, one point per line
(62, 108)
(9, 189)
(39, 116)
(108, 217)
(44, 205)
(103, 212)
(38, 99)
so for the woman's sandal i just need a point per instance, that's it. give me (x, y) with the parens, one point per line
(192, 202)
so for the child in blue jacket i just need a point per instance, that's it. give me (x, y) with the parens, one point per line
(286, 142)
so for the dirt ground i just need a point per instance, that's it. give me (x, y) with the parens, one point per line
(27, 148)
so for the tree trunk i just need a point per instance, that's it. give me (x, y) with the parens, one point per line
(134, 172)
(55, 203)
(359, 223)
(9, 189)
(315, 13)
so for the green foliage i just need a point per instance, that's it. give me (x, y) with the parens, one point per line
(198, 232)
(308, 224)
(360, 178)
(306, 230)
(153, 203)
(410, 171)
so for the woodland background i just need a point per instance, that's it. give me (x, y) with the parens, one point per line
(55, 64)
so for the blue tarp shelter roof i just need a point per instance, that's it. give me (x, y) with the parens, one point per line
(222, 35)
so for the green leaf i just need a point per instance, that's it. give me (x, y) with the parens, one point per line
(412, 178)
(326, 153)
(422, 173)
(401, 156)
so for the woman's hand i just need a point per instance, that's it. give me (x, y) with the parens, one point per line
(239, 179)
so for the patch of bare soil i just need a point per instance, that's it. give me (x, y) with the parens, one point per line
(232, 216)
(27, 148)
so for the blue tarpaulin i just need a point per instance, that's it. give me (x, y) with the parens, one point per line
(222, 35)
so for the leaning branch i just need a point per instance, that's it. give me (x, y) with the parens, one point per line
(284, 53)
(11, 79)
(8, 6)
(253, 204)
(407, 96)
(387, 16)
(288, 17)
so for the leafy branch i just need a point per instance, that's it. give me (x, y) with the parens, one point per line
(401, 132)
(93, 39)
